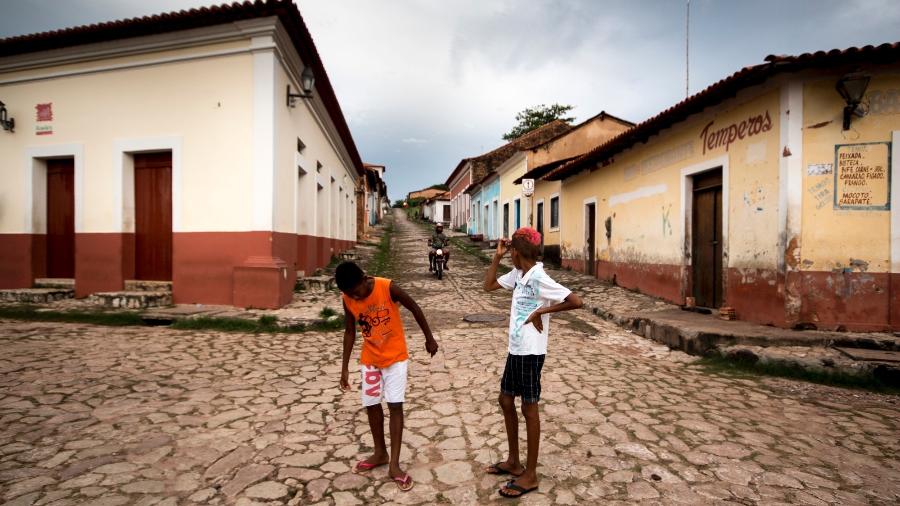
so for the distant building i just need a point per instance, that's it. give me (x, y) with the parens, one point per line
(175, 148)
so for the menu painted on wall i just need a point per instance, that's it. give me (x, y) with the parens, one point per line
(861, 177)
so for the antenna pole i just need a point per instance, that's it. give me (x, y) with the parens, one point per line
(687, 52)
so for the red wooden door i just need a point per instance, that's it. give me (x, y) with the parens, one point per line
(153, 216)
(61, 218)
(706, 255)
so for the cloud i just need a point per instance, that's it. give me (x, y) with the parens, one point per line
(413, 140)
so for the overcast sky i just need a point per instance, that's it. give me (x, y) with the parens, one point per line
(425, 83)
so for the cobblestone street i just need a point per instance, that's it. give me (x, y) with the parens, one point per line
(151, 415)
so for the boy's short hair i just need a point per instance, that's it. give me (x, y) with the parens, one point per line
(348, 276)
(527, 242)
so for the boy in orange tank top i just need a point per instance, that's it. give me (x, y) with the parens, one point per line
(372, 303)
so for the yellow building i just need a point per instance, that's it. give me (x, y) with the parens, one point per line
(542, 159)
(175, 148)
(769, 192)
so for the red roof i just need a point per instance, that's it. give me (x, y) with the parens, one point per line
(286, 11)
(723, 90)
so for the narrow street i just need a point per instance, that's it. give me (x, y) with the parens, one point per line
(150, 415)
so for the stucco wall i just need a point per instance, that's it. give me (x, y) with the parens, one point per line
(204, 105)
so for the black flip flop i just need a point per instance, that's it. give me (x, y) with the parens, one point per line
(499, 471)
(521, 491)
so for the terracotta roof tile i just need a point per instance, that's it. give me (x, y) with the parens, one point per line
(723, 90)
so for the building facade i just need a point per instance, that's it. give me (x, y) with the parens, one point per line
(460, 179)
(168, 148)
(757, 194)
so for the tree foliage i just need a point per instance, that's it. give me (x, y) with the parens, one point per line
(538, 116)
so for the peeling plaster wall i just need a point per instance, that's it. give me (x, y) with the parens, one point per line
(844, 255)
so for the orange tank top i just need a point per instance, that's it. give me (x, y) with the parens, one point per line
(378, 320)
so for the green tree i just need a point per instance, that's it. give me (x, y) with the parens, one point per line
(538, 116)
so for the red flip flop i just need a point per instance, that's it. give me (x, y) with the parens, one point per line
(362, 466)
(404, 483)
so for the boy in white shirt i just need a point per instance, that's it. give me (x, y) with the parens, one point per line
(535, 296)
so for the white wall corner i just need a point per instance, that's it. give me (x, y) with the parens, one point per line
(263, 139)
(790, 168)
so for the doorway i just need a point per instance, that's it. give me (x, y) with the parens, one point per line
(540, 219)
(61, 218)
(706, 239)
(506, 220)
(590, 222)
(153, 216)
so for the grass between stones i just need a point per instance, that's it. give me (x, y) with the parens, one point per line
(331, 321)
(35, 314)
(748, 369)
(381, 260)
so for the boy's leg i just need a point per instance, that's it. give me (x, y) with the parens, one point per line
(531, 394)
(507, 400)
(511, 420)
(372, 392)
(376, 424)
(396, 438)
(394, 394)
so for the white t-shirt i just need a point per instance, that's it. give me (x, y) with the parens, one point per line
(531, 291)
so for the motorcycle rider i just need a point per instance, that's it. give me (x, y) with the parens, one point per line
(438, 241)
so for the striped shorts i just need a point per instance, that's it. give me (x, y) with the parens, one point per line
(522, 377)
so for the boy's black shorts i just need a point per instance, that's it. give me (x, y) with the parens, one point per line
(522, 377)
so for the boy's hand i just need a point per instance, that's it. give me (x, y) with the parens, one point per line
(536, 320)
(502, 248)
(431, 346)
(345, 380)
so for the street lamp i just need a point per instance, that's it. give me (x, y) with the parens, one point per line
(8, 124)
(852, 88)
(307, 82)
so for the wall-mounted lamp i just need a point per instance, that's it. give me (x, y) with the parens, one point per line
(307, 82)
(852, 87)
(8, 124)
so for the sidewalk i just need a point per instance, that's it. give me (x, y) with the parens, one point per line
(866, 354)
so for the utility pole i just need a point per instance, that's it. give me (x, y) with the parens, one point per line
(687, 52)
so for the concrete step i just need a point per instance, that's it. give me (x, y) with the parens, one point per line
(68, 283)
(140, 299)
(36, 295)
(316, 284)
(137, 285)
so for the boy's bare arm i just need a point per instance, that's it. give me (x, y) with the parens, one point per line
(349, 341)
(397, 293)
(573, 301)
(490, 277)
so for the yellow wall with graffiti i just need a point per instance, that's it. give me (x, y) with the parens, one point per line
(642, 189)
(837, 237)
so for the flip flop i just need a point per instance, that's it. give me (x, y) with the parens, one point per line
(362, 466)
(496, 469)
(512, 486)
(404, 483)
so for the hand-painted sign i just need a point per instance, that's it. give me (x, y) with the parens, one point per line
(735, 131)
(43, 113)
(861, 178)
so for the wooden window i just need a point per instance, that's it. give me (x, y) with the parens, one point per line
(554, 212)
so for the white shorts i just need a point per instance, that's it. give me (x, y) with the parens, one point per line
(388, 383)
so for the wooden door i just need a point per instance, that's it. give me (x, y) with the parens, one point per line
(706, 233)
(540, 218)
(446, 213)
(591, 238)
(506, 220)
(153, 216)
(61, 218)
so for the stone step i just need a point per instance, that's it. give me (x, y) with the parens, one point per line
(138, 285)
(316, 284)
(36, 295)
(140, 299)
(67, 283)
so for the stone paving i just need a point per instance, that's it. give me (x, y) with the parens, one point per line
(151, 415)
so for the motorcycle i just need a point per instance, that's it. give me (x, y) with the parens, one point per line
(439, 263)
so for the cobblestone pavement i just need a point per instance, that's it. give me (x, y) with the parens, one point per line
(109, 416)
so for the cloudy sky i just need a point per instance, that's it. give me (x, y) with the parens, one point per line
(424, 83)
